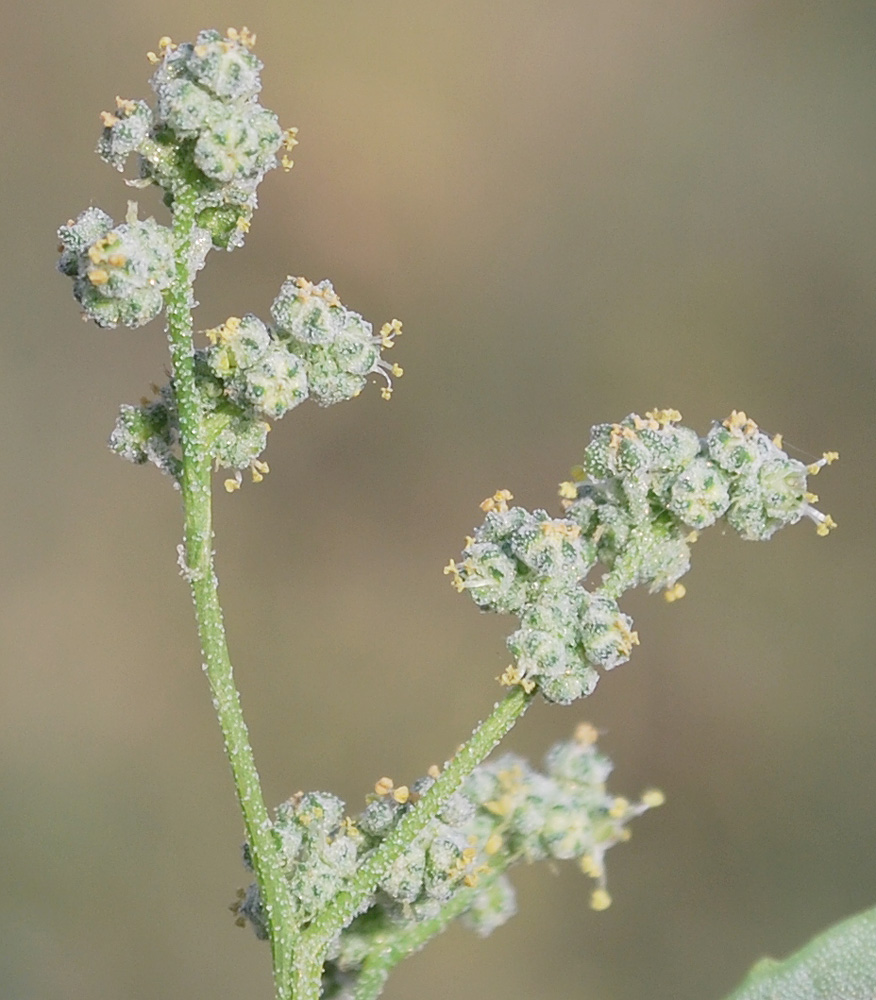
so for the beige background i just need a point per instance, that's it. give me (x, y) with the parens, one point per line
(578, 209)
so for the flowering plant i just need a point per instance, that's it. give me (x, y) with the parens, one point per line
(343, 898)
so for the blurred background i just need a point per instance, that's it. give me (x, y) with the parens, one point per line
(579, 208)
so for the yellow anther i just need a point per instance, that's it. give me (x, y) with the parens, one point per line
(825, 526)
(401, 794)
(383, 786)
(497, 807)
(590, 866)
(513, 677)
(153, 58)
(389, 331)
(810, 497)
(452, 570)
(568, 491)
(165, 42)
(739, 421)
(200, 51)
(98, 276)
(244, 37)
(397, 371)
(232, 484)
(493, 844)
(290, 139)
(287, 163)
(386, 392)
(108, 119)
(585, 734)
(619, 807)
(117, 259)
(830, 457)
(600, 900)
(434, 771)
(778, 440)
(664, 417)
(674, 593)
(125, 105)
(243, 224)
(471, 880)
(653, 798)
(497, 502)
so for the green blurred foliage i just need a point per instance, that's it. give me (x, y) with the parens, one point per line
(578, 209)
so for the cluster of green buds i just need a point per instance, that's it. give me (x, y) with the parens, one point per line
(635, 505)
(207, 132)
(505, 812)
(251, 373)
(120, 273)
(209, 138)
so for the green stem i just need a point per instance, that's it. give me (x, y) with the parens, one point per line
(387, 953)
(311, 946)
(197, 553)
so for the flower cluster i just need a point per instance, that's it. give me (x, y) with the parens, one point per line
(644, 490)
(207, 133)
(252, 373)
(121, 272)
(207, 137)
(505, 812)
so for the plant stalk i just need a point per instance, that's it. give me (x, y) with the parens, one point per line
(197, 560)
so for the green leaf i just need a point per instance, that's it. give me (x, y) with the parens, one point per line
(839, 964)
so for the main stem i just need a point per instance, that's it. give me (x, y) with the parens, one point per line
(197, 554)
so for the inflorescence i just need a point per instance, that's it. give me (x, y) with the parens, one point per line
(646, 487)
(505, 812)
(210, 139)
